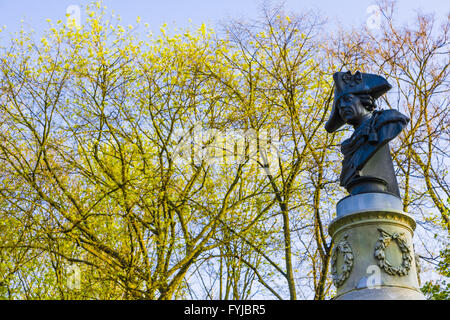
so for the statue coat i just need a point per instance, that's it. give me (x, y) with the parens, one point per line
(370, 138)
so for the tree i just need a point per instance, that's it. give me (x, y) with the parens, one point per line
(90, 117)
(439, 290)
(283, 86)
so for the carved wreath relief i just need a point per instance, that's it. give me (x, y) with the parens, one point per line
(342, 247)
(383, 241)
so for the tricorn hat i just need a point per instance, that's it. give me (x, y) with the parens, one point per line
(358, 83)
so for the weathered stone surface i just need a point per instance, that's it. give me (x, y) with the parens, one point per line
(382, 293)
(378, 237)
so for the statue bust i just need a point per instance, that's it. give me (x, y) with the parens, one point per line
(367, 164)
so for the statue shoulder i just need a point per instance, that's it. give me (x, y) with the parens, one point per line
(387, 124)
(390, 115)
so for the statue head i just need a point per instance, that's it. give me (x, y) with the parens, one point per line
(354, 108)
(354, 98)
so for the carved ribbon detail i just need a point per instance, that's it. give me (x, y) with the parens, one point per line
(383, 241)
(343, 247)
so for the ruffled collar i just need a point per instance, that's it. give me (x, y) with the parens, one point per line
(365, 132)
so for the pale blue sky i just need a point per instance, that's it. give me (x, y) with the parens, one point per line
(178, 12)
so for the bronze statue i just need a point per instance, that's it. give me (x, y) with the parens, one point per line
(367, 164)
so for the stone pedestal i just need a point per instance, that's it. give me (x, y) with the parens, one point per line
(373, 256)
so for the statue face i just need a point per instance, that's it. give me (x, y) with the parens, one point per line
(351, 110)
